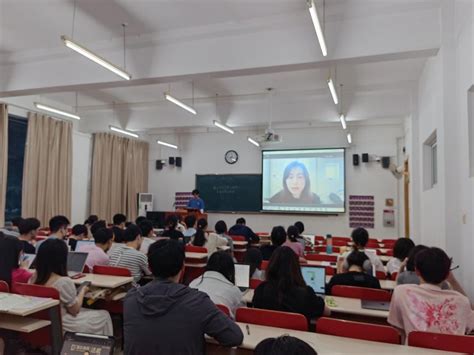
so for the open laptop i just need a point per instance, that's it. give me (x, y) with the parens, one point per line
(82, 243)
(75, 263)
(242, 276)
(80, 344)
(375, 305)
(315, 277)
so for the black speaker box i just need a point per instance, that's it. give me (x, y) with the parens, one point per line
(159, 165)
(178, 161)
(355, 159)
(385, 162)
(171, 160)
(365, 157)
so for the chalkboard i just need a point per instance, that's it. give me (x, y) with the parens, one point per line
(231, 193)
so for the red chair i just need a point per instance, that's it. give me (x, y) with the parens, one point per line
(446, 342)
(394, 276)
(254, 283)
(224, 309)
(269, 318)
(339, 243)
(264, 265)
(193, 249)
(322, 249)
(319, 257)
(373, 245)
(320, 239)
(239, 250)
(358, 330)
(344, 239)
(330, 271)
(380, 275)
(111, 270)
(4, 286)
(389, 252)
(363, 293)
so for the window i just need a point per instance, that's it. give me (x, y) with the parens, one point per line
(430, 162)
(17, 127)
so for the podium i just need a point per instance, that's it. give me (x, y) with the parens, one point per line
(183, 213)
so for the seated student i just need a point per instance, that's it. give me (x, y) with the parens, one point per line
(90, 221)
(278, 237)
(300, 227)
(148, 235)
(79, 232)
(58, 228)
(406, 272)
(170, 231)
(293, 243)
(218, 281)
(221, 230)
(427, 307)
(190, 221)
(98, 250)
(11, 269)
(139, 220)
(51, 271)
(401, 249)
(13, 229)
(285, 289)
(253, 258)
(240, 228)
(166, 317)
(355, 276)
(128, 256)
(28, 229)
(210, 241)
(283, 345)
(118, 221)
(360, 238)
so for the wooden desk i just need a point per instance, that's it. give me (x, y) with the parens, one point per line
(383, 258)
(319, 263)
(240, 243)
(22, 324)
(191, 265)
(31, 305)
(104, 281)
(353, 306)
(192, 255)
(327, 344)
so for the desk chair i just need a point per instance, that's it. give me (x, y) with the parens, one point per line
(269, 318)
(363, 293)
(446, 342)
(111, 270)
(254, 283)
(264, 264)
(4, 286)
(191, 273)
(194, 249)
(319, 257)
(224, 309)
(394, 276)
(380, 275)
(239, 250)
(358, 330)
(322, 248)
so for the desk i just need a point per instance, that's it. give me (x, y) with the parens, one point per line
(104, 281)
(383, 258)
(327, 344)
(192, 255)
(319, 263)
(22, 324)
(240, 243)
(353, 306)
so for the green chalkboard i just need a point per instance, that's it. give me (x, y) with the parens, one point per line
(231, 193)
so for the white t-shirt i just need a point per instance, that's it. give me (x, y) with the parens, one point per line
(393, 265)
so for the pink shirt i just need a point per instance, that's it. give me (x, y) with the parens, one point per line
(96, 256)
(21, 275)
(428, 308)
(297, 247)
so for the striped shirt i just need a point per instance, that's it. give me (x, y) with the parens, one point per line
(131, 259)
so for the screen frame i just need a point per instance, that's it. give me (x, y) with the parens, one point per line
(327, 213)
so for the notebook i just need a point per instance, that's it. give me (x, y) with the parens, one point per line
(75, 263)
(242, 276)
(80, 344)
(375, 305)
(315, 277)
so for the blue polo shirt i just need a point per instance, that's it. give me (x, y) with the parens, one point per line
(196, 203)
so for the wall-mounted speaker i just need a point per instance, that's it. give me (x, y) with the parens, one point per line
(355, 159)
(178, 161)
(159, 165)
(385, 162)
(365, 157)
(171, 160)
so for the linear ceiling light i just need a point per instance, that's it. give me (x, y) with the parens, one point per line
(343, 121)
(180, 104)
(167, 144)
(95, 58)
(333, 91)
(254, 142)
(224, 127)
(55, 110)
(317, 27)
(122, 131)
(349, 138)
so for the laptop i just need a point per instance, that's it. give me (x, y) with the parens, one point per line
(242, 276)
(82, 243)
(75, 263)
(315, 277)
(375, 305)
(80, 344)
(29, 258)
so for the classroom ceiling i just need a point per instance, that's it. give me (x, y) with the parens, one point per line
(197, 49)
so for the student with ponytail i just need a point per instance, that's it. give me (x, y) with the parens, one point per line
(292, 241)
(210, 241)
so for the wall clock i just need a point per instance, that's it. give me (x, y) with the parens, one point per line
(231, 157)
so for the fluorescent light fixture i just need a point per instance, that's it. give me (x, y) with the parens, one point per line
(254, 142)
(317, 27)
(95, 58)
(349, 138)
(332, 88)
(224, 127)
(343, 121)
(167, 144)
(122, 131)
(57, 111)
(180, 104)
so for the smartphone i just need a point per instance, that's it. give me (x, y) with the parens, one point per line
(82, 285)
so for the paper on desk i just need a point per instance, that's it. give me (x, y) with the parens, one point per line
(9, 301)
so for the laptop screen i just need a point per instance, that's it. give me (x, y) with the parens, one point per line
(315, 277)
(82, 243)
(76, 261)
(242, 275)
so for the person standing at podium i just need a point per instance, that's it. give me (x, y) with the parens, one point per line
(196, 203)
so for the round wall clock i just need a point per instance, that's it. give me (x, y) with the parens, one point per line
(231, 157)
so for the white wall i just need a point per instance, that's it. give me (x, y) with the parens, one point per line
(203, 153)
(81, 176)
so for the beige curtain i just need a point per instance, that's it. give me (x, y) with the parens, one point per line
(3, 160)
(47, 170)
(119, 172)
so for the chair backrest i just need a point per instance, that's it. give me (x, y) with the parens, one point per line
(224, 309)
(322, 248)
(373, 245)
(358, 330)
(319, 257)
(269, 318)
(111, 270)
(194, 249)
(264, 265)
(380, 275)
(339, 243)
(238, 238)
(4, 286)
(35, 290)
(254, 283)
(363, 293)
(446, 342)
(330, 271)
(394, 276)
(389, 252)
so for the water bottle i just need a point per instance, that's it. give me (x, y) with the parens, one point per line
(328, 244)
